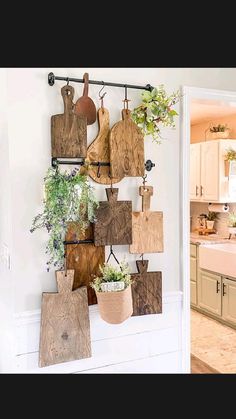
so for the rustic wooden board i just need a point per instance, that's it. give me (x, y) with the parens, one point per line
(68, 130)
(84, 105)
(99, 151)
(126, 148)
(147, 226)
(146, 290)
(65, 327)
(114, 220)
(85, 260)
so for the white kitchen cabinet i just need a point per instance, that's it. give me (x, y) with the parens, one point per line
(229, 300)
(208, 182)
(193, 273)
(209, 292)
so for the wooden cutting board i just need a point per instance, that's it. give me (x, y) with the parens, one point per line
(114, 220)
(146, 290)
(65, 327)
(126, 148)
(68, 130)
(84, 259)
(99, 151)
(147, 226)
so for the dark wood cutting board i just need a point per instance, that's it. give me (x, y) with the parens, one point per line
(68, 130)
(126, 148)
(113, 220)
(147, 226)
(146, 290)
(85, 260)
(99, 151)
(65, 327)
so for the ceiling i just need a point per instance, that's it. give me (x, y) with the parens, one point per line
(202, 111)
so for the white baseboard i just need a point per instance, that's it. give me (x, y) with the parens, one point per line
(136, 345)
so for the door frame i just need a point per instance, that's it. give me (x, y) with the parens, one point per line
(188, 93)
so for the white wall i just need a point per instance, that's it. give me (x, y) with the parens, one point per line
(31, 102)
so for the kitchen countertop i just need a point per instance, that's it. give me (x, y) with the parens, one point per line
(196, 238)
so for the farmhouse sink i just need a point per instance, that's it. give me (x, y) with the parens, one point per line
(220, 258)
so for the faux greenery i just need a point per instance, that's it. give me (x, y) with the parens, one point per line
(230, 154)
(156, 107)
(219, 128)
(211, 216)
(68, 198)
(232, 219)
(112, 274)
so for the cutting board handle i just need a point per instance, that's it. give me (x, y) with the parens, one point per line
(126, 114)
(146, 192)
(103, 119)
(112, 194)
(65, 281)
(67, 93)
(142, 266)
(86, 84)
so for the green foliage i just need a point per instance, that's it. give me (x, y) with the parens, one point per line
(231, 154)
(68, 198)
(219, 128)
(211, 216)
(112, 274)
(232, 219)
(156, 108)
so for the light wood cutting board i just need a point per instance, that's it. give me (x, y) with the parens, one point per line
(126, 148)
(65, 327)
(98, 151)
(147, 226)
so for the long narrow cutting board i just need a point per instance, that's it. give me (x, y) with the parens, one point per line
(85, 259)
(147, 226)
(99, 151)
(68, 130)
(113, 220)
(65, 327)
(146, 290)
(126, 148)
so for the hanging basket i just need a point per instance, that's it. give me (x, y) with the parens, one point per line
(115, 306)
(227, 166)
(220, 134)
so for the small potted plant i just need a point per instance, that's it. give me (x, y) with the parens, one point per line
(220, 131)
(113, 291)
(229, 157)
(156, 109)
(210, 220)
(232, 223)
(69, 198)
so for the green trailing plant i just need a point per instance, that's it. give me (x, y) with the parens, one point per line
(156, 108)
(232, 219)
(69, 198)
(110, 273)
(230, 154)
(219, 128)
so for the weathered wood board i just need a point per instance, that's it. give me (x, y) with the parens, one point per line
(65, 327)
(98, 150)
(147, 226)
(85, 260)
(126, 148)
(68, 130)
(113, 220)
(146, 290)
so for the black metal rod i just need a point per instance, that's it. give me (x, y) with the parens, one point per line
(56, 161)
(66, 242)
(52, 78)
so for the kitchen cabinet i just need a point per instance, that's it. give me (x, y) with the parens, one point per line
(209, 292)
(229, 300)
(193, 273)
(208, 182)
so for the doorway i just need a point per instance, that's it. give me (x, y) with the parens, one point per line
(212, 101)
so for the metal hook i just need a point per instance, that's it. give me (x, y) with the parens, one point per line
(141, 256)
(68, 80)
(126, 101)
(98, 171)
(102, 96)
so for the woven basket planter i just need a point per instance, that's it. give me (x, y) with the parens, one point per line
(115, 306)
(220, 134)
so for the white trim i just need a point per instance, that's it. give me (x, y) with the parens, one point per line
(188, 94)
(27, 317)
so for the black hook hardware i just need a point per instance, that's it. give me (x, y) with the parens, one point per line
(149, 165)
(98, 171)
(112, 254)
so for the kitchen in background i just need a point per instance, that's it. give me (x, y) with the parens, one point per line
(212, 247)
